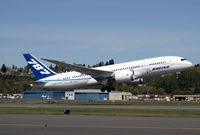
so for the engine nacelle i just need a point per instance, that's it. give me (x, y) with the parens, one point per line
(137, 81)
(124, 76)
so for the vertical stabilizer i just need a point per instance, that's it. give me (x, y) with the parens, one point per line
(38, 68)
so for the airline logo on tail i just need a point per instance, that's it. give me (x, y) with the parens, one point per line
(38, 68)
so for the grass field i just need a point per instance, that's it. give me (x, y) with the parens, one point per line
(100, 102)
(105, 112)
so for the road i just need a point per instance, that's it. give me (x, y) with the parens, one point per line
(96, 125)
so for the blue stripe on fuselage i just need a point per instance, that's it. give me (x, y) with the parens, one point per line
(64, 80)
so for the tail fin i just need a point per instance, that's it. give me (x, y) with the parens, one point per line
(39, 69)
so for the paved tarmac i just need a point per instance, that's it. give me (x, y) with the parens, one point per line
(96, 125)
(100, 106)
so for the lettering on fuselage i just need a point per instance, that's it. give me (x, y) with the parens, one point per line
(38, 67)
(160, 68)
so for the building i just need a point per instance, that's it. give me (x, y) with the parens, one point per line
(69, 95)
(96, 94)
(43, 94)
(116, 95)
(87, 94)
(90, 94)
(186, 98)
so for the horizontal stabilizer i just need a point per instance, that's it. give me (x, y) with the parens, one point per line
(31, 83)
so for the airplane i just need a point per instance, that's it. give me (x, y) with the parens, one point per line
(78, 77)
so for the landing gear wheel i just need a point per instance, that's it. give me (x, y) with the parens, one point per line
(103, 89)
(109, 90)
(112, 88)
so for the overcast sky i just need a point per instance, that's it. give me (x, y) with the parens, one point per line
(89, 31)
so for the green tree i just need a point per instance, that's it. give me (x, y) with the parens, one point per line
(3, 68)
(177, 92)
(111, 62)
(187, 92)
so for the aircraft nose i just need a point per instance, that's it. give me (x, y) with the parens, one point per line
(189, 64)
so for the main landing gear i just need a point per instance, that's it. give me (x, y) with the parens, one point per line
(108, 88)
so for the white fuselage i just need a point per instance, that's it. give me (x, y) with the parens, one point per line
(141, 69)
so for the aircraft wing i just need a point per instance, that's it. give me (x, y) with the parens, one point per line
(96, 74)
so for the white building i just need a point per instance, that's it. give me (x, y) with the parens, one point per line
(69, 95)
(117, 95)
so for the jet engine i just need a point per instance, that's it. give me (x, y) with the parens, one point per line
(126, 76)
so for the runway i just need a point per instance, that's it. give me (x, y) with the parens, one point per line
(100, 106)
(96, 125)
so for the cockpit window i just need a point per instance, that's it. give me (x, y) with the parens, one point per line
(183, 59)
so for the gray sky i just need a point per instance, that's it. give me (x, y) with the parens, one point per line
(89, 31)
